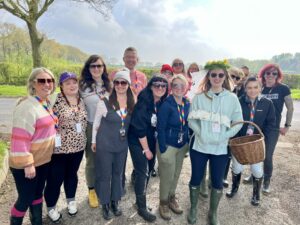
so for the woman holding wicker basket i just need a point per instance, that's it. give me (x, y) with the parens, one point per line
(259, 110)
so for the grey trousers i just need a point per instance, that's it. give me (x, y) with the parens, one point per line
(90, 158)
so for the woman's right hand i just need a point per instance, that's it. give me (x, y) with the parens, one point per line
(93, 147)
(148, 154)
(30, 172)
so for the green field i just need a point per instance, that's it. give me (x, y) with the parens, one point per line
(18, 91)
(3, 149)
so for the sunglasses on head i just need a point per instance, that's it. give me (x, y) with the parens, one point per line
(120, 82)
(98, 66)
(235, 77)
(271, 73)
(177, 64)
(178, 86)
(159, 85)
(214, 75)
(44, 81)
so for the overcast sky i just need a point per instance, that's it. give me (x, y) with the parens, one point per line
(194, 30)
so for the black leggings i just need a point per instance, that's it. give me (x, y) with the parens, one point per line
(30, 191)
(63, 169)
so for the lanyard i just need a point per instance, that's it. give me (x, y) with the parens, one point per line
(123, 116)
(181, 114)
(136, 81)
(53, 115)
(252, 111)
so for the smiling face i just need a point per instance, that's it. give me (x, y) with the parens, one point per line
(271, 76)
(253, 89)
(70, 87)
(121, 86)
(216, 78)
(178, 66)
(96, 69)
(159, 89)
(178, 87)
(130, 59)
(43, 85)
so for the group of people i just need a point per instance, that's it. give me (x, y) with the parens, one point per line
(103, 115)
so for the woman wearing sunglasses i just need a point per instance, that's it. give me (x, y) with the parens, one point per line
(259, 110)
(173, 132)
(110, 130)
(142, 138)
(212, 112)
(68, 153)
(237, 75)
(280, 94)
(32, 144)
(94, 84)
(178, 66)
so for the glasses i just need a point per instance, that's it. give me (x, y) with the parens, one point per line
(167, 72)
(275, 74)
(235, 77)
(159, 85)
(178, 86)
(98, 66)
(44, 81)
(177, 64)
(122, 83)
(214, 75)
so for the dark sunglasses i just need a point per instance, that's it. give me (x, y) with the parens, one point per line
(177, 64)
(214, 75)
(162, 85)
(178, 86)
(122, 82)
(275, 74)
(44, 81)
(235, 77)
(98, 66)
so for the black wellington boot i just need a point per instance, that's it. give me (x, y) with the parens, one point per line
(236, 179)
(256, 191)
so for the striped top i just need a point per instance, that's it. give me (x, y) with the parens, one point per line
(33, 134)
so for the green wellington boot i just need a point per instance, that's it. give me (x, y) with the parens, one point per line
(215, 197)
(194, 197)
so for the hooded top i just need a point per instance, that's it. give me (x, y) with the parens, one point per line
(210, 118)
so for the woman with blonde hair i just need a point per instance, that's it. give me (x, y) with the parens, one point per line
(32, 144)
(238, 77)
(212, 112)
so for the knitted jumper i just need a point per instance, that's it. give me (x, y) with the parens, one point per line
(33, 134)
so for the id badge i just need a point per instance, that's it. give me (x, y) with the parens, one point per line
(78, 127)
(180, 137)
(153, 120)
(250, 131)
(57, 141)
(216, 128)
(122, 133)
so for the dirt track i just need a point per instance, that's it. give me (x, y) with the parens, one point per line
(281, 207)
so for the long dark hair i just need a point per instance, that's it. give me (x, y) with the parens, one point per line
(113, 101)
(86, 79)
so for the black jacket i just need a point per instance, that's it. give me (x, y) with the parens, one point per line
(264, 116)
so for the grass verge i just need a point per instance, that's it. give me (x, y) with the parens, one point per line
(3, 149)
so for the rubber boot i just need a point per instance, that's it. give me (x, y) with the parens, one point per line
(106, 213)
(225, 181)
(215, 197)
(194, 197)
(248, 180)
(16, 220)
(35, 214)
(142, 209)
(256, 191)
(266, 187)
(115, 208)
(236, 179)
(203, 186)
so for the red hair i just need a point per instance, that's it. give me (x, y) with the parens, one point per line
(268, 67)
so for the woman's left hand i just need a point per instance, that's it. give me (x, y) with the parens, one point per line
(284, 130)
(30, 172)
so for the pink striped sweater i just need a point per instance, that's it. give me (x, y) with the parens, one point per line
(33, 134)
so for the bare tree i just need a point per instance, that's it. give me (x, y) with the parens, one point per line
(31, 10)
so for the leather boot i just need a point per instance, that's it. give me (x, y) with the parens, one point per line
(194, 197)
(115, 208)
(215, 197)
(174, 206)
(35, 214)
(106, 213)
(16, 220)
(256, 191)
(164, 210)
(142, 208)
(266, 187)
(248, 180)
(236, 179)
(203, 186)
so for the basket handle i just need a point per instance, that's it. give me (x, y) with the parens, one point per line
(249, 122)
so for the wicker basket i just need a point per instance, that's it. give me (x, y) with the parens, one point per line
(248, 149)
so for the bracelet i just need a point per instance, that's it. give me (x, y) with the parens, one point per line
(146, 150)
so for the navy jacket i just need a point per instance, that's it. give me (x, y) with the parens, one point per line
(169, 125)
(264, 117)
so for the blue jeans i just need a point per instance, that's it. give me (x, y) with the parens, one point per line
(217, 168)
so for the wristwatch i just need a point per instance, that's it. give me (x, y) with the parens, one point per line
(287, 125)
